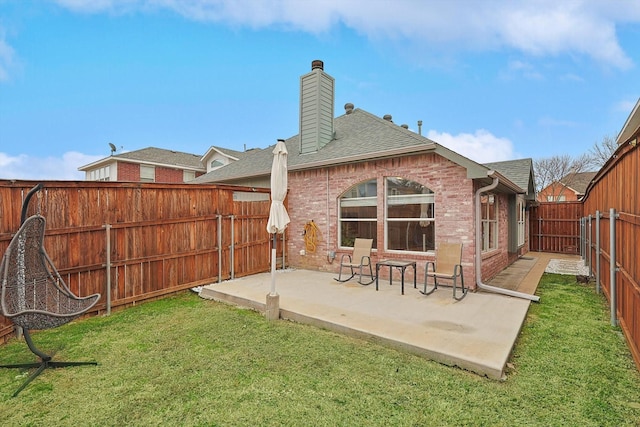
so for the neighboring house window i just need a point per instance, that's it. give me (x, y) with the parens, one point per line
(556, 198)
(521, 220)
(147, 173)
(100, 174)
(216, 164)
(489, 208)
(358, 213)
(188, 176)
(410, 219)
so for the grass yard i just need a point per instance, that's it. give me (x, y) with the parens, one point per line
(194, 362)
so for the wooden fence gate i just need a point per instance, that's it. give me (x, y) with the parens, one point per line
(555, 227)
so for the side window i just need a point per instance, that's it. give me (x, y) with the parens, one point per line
(410, 216)
(489, 207)
(358, 213)
(521, 220)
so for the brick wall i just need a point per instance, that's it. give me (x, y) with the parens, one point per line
(313, 195)
(166, 175)
(128, 172)
(131, 172)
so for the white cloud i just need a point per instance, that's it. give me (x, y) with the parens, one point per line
(7, 57)
(481, 147)
(26, 167)
(535, 27)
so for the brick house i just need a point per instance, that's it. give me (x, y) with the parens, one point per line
(359, 175)
(146, 165)
(569, 188)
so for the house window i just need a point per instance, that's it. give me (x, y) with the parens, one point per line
(410, 220)
(100, 174)
(556, 198)
(489, 208)
(188, 176)
(521, 220)
(147, 173)
(358, 213)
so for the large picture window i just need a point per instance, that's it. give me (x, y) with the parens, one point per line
(358, 213)
(489, 207)
(410, 217)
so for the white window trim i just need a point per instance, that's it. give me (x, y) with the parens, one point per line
(487, 244)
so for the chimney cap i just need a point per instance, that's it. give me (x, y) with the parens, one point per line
(316, 63)
(348, 108)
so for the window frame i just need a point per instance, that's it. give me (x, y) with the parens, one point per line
(358, 195)
(489, 221)
(425, 197)
(521, 213)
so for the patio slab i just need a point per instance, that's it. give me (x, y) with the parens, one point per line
(477, 333)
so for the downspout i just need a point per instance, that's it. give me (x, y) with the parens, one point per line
(485, 287)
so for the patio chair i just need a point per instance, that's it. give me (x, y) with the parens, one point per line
(448, 265)
(33, 295)
(360, 258)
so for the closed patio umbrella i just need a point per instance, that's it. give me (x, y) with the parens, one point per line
(278, 216)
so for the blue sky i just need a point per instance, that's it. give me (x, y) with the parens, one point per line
(492, 80)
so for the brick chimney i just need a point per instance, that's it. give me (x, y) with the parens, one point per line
(316, 108)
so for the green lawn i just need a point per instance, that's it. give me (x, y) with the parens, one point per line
(189, 361)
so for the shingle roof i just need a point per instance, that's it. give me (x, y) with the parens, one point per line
(359, 136)
(578, 181)
(362, 136)
(520, 172)
(162, 156)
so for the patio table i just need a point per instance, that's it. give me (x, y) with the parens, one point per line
(400, 265)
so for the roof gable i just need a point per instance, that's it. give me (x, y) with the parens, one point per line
(519, 171)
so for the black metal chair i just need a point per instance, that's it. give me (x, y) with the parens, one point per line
(33, 295)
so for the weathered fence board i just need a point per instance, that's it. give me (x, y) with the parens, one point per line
(617, 186)
(163, 237)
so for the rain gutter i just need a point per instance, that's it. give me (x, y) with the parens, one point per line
(483, 286)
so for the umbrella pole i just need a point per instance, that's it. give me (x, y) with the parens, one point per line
(273, 266)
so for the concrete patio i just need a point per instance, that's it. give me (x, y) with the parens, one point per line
(477, 333)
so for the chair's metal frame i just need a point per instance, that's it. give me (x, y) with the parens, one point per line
(33, 294)
(361, 257)
(448, 265)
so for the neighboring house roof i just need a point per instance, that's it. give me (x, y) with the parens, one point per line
(232, 154)
(358, 136)
(578, 182)
(153, 156)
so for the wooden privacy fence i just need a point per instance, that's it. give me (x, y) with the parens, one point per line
(611, 244)
(136, 241)
(555, 227)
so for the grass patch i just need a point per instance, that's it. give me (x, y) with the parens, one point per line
(188, 361)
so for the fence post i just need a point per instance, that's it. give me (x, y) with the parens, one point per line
(283, 251)
(539, 234)
(598, 251)
(589, 244)
(233, 247)
(108, 241)
(612, 265)
(219, 248)
(582, 238)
